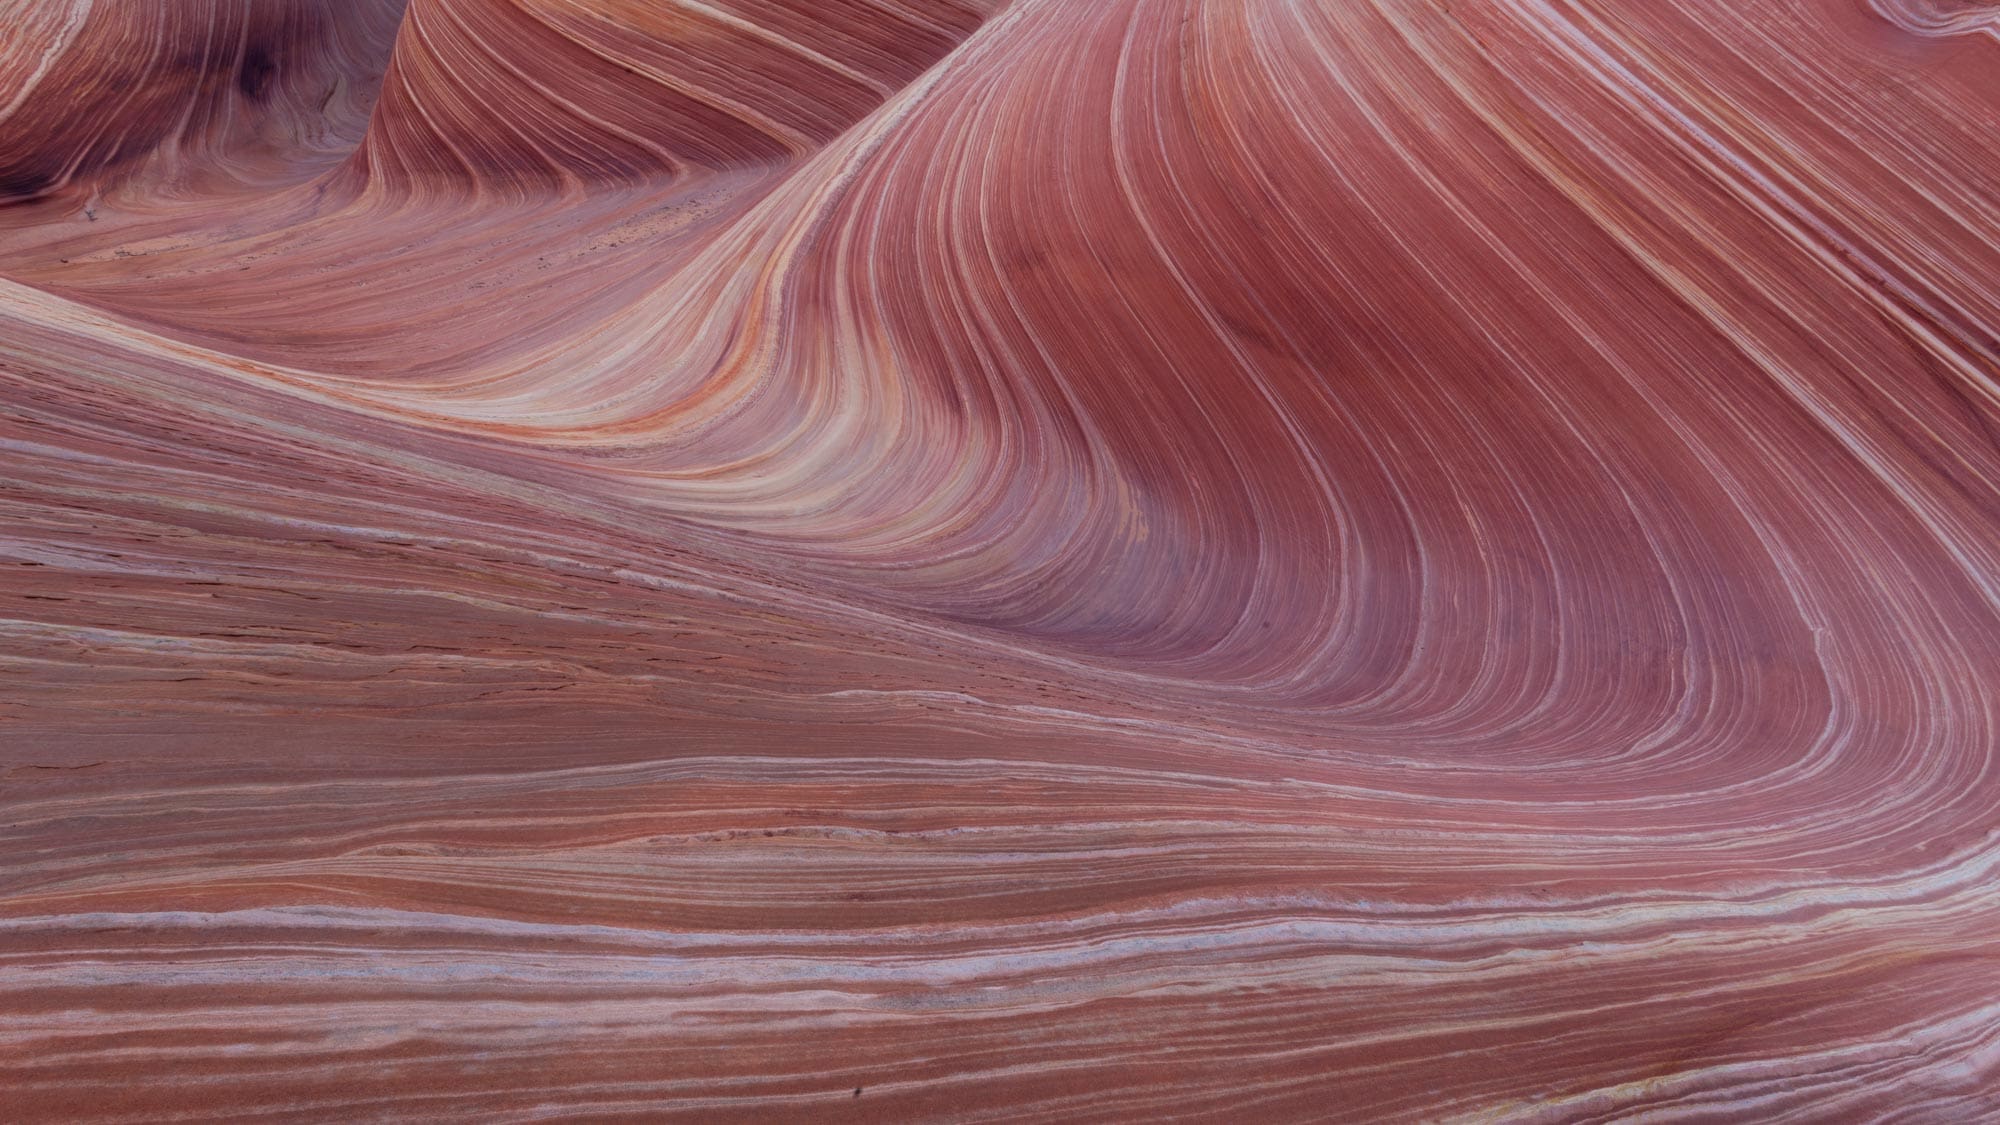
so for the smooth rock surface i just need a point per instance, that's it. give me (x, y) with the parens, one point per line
(1082, 560)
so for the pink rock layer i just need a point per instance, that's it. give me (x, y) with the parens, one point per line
(945, 559)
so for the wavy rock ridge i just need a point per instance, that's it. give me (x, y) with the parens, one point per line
(1226, 559)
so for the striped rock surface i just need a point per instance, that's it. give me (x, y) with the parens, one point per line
(958, 559)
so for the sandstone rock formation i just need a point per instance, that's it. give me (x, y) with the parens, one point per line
(958, 559)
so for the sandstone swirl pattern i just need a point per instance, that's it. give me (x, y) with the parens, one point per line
(1073, 559)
